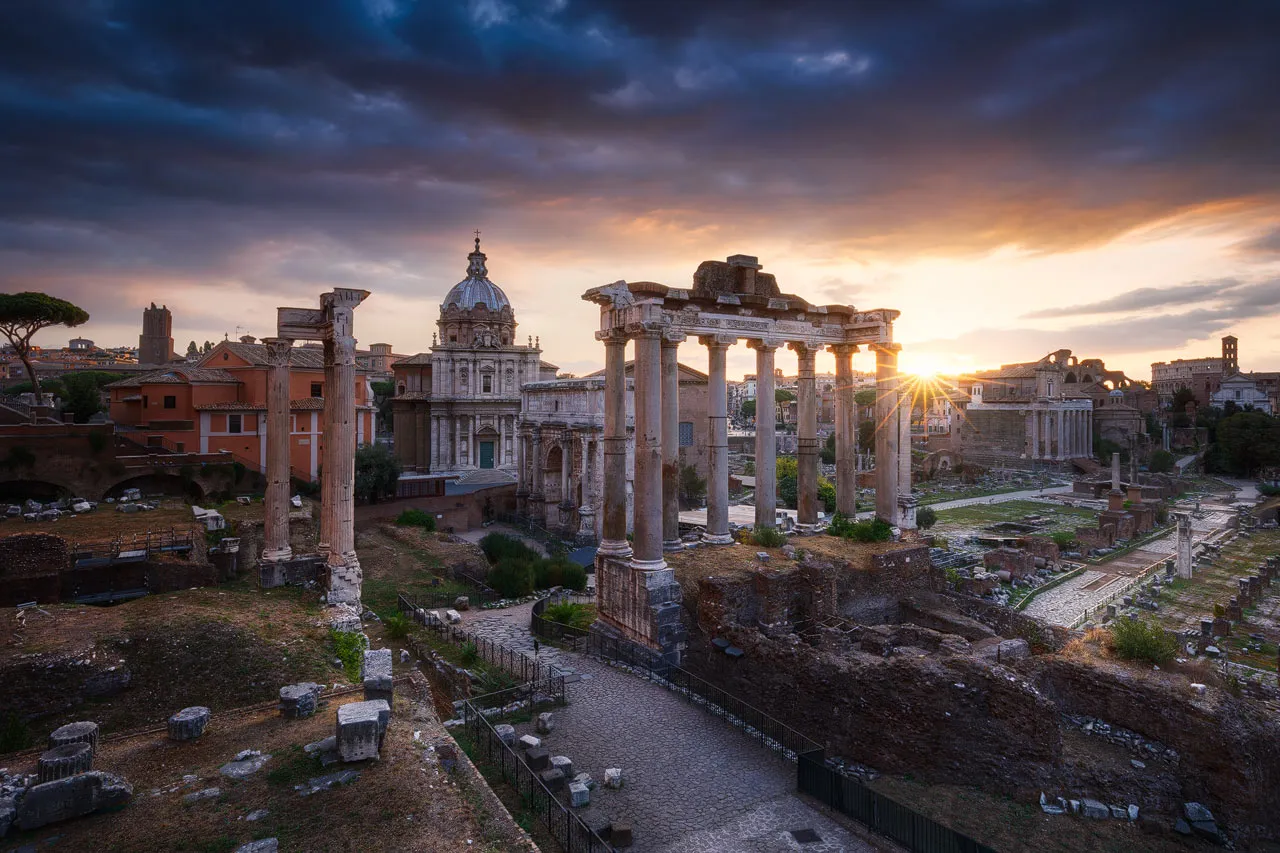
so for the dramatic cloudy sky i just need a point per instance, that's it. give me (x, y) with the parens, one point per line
(1014, 176)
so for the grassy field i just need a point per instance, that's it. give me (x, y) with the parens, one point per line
(979, 516)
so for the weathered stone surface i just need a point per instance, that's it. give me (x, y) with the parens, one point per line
(7, 814)
(506, 733)
(257, 814)
(206, 794)
(553, 779)
(81, 732)
(613, 777)
(377, 675)
(189, 723)
(579, 795)
(1094, 809)
(462, 602)
(529, 742)
(324, 783)
(245, 764)
(361, 726)
(564, 764)
(538, 760)
(453, 616)
(545, 724)
(299, 700)
(63, 761)
(72, 797)
(620, 835)
(262, 845)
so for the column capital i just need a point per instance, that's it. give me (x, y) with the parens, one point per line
(718, 341)
(672, 339)
(764, 344)
(646, 330)
(804, 349)
(278, 351)
(613, 336)
(887, 347)
(843, 350)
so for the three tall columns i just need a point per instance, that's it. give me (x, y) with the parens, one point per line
(766, 426)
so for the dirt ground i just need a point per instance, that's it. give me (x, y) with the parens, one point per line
(402, 802)
(105, 522)
(411, 560)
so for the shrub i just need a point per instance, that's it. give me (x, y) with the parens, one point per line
(496, 546)
(416, 518)
(1161, 462)
(768, 537)
(840, 525)
(1064, 540)
(1269, 490)
(511, 577)
(926, 517)
(571, 614)
(468, 654)
(871, 530)
(575, 577)
(1138, 639)
(348, 647)
(397, 626)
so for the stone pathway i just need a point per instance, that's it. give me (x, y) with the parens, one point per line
(692, 783)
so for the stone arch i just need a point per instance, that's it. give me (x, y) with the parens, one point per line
(152, 482)
(1086, 378)
(21, 489)
(1071, 378)
(551, 472)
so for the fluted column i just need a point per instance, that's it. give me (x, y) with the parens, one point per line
(276, 522)
(717, 532)
(344, 567)
(766, 426)
(327, 447)
(887, 437)
(807, 436)
(615, 445)
(648, 461)
(671, 442)
(846, 432)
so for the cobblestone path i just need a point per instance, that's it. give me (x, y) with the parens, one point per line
(692, 783)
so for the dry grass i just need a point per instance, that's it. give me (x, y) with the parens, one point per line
(402, 802)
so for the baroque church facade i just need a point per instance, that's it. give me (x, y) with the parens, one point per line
(457, 407)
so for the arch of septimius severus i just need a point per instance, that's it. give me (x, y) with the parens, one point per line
(639, 598)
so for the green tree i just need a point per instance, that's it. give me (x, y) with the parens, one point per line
(828, 452)
(867, 435)
(749, 408)
(1161, 462)
(83, 397)
(788, 472)
(383, 391)
(193, 351)
(1181, 398)
(782, 395)
(926, 517)
(377, 471)
(24, 314)
(693, 489)
(866, 398)
(1247, 441)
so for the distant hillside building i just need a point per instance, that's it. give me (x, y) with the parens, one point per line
(155, 344)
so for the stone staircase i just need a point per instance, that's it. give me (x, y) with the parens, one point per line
(1087, 466)
(487, 477)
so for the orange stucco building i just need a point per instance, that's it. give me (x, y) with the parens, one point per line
(220, 404)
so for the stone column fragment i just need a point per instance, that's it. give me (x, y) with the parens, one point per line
(344, 567)
(63, 761)
(81, 732)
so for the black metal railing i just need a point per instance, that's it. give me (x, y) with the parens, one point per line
(815, 776)
(572, 834)
(881, 814)
(556, 632)
(520, 665)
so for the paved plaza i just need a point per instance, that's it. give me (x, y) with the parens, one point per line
(692, 782)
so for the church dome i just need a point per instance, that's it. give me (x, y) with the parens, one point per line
(476, 289)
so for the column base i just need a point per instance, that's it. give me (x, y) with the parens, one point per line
(345, 577)
(672, 545)
(277, 555)
(619, 548)
(717, 539)
(907, 511)
(657, 565)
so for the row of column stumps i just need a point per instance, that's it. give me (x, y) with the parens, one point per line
(333, 326)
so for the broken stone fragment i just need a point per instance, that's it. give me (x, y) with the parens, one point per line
(361, 726)
(71, 797)
(529, 742)
(262, 845)
(613, 777)
(245, 765)
(63, 761)
(206, 794)
(545, 723)
(564, 764)
(579, 795)
(81, 732)
(506, 733)
(189, 723)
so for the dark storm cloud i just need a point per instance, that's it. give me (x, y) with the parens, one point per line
(175, 135)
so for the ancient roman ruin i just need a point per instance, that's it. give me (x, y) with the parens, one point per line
(728, 301)
(333, 325)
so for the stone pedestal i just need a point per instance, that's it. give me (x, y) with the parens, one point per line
(81, 732)
(361, 726)
(642, 607)
(376, 675)
(299, 700)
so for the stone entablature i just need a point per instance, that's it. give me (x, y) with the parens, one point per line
(729, 301)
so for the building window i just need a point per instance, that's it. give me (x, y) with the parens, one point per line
(181, 446)
(686, 434)
(234, 423)
(170, 401)
(317, 389)
(486, 383)
(144, 401)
